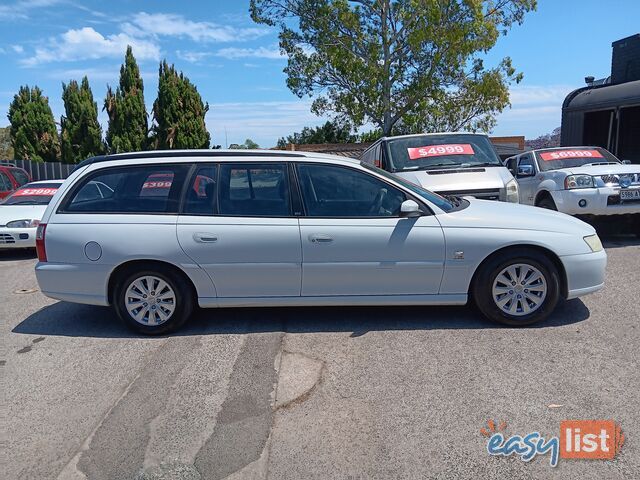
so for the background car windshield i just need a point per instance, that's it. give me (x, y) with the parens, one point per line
(557, 158)
(440, 202)
(441, 151)
(39, 194)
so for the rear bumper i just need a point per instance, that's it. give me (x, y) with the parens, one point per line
(17, 238)
(83, 283)
(585, 273)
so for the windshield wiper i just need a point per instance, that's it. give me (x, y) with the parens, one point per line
(599, 163)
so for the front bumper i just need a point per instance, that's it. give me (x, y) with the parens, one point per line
(17, 237)
(599, 201)
(585, 273)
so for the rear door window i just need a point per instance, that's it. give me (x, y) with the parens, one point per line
(254, 190)
(20, 176)
(200, 198)
(139, 189)
(5, 183)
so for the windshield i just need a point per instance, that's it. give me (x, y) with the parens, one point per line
(440, 202)
(557, 158)
(30, 194)
(441, 151)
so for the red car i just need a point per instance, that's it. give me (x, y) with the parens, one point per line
(11, 177)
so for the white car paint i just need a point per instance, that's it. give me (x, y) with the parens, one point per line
(481, 181)
(298, 260)
(552, 182)
(20, 237)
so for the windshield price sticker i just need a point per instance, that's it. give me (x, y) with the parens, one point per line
(564, 154)
(36, 192)
(440, 150)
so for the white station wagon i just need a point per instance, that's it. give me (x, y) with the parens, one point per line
(231, 229)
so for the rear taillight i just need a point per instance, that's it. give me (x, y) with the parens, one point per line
(40, 248)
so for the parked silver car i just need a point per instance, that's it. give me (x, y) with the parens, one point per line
(231, 229)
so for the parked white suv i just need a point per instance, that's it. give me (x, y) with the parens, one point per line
(459, 164)
(583, 181)
(231, 229)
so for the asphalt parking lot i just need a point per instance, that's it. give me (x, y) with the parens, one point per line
(312, 392)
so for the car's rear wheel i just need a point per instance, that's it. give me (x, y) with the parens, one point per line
(522, 290)
(547, 203)
(153, 301)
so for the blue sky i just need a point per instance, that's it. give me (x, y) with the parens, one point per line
(237, 67)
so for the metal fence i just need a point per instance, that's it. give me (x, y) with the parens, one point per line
(43, 170)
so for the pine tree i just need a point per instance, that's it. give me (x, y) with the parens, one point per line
(128, 124)
(33, 130)
(80, 133)
(178, 112)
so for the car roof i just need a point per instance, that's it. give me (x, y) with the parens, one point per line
(220, 155)
(562, 148)
(40, 182)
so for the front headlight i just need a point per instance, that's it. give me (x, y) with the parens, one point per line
(578, 181)
(512, 191)
(23, 223)
(594, 243)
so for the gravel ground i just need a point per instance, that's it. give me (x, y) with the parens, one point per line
(311, 392)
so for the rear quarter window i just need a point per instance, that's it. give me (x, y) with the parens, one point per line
(140, 189)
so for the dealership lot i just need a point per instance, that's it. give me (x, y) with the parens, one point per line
(312, 392)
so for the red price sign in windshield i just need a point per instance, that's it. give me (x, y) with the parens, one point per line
(36, 192)
(440, 150)
(565, 154)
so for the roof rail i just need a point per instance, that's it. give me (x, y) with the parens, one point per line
(187, 153)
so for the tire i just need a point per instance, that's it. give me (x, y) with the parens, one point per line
(159, 312)
(514, 312)
(547, 203)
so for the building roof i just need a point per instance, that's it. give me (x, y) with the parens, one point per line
(603, 96)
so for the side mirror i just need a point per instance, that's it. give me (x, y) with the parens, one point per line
(526, 171)
(626, 162)
(410, 209)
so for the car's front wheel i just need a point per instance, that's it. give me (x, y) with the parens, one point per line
(518, 291)
(153, 301)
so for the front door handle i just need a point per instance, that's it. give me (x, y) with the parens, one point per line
(320, 238)
(205, 237)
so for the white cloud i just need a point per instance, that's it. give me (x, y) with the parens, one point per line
(86, 43)
(191, 56)
(233, 53)
(263, 122)
(20, 10)
(535, 110)
(17, 48)
(168, 24)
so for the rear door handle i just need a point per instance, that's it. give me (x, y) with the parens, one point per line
(205, 237)
(320, 238)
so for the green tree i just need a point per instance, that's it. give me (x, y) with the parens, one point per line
(6, 149)
(178, 112)
(128, 122)
(247, 145)
(414, 63)
(80, 132)
(33, 130)
(330, 132)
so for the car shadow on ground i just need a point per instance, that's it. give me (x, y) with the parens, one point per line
(17, 254)
(67, 319)
(619, 241)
